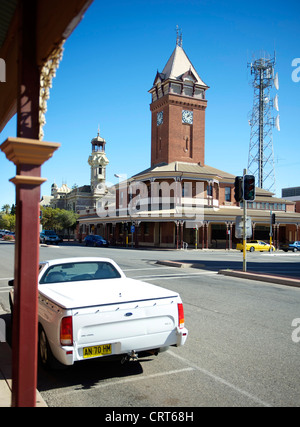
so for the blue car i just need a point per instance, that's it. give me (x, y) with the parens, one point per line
(295, 246)
(95, 240)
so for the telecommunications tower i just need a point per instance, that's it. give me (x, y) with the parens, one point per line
(262, 121)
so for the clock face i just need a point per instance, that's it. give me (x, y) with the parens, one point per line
(187, 117)
(160, 118)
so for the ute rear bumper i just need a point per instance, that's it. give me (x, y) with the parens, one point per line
(67, 355)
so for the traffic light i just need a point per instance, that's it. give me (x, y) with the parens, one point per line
(273, 218)
(238, 188)
(249, 187)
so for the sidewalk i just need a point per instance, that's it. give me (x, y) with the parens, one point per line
(263, 277)
(6, 377)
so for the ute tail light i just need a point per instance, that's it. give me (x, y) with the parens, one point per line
(66, 331)
(180, 316)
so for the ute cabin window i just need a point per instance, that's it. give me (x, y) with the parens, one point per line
(227, 194)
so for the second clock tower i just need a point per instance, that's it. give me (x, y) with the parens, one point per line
(178, 112)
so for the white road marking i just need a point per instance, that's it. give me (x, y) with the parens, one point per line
(5, 288)
(127, 380)
(176, 276)
(148, 268)
(219, 379)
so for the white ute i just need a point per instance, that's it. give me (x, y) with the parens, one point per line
(88, 308)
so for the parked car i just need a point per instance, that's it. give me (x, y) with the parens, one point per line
(294, 246)
(49, 236)
(88, 308)
(256, 245)
(95, 240)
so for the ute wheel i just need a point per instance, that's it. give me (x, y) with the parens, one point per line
(45, 354)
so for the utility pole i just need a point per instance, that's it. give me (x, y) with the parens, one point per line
(271, 228)
(244, 228)
(272, 221)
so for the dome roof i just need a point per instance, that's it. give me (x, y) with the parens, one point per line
(98, 140)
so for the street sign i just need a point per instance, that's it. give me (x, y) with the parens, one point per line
(239, 227)
(132, 229)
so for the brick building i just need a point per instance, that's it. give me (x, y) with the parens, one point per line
(292, 194)
(180, 200)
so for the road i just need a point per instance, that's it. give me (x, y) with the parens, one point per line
(239, 351)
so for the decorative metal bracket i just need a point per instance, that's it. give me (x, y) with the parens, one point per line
(48, 71)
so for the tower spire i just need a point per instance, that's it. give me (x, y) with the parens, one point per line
(178, 36)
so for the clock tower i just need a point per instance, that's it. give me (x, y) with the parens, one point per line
(178, 112)
(98, 162)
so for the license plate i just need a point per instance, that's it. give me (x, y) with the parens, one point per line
(96, 350)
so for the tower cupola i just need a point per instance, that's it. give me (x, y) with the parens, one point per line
(98, 162)
(98, 143)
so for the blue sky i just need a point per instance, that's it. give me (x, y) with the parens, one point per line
(110, 62)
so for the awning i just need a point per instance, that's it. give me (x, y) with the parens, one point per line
(56, 20)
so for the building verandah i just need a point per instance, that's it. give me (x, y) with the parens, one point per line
(182, 204)
(215, 231)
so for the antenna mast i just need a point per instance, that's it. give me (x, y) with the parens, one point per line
(261, 153)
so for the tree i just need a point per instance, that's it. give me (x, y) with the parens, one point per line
(8, 221)
(6, 208)
(58, 219)
(50, 218)
(67, 219)
(2, 222)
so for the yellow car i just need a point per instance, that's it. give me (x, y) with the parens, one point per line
(256, 245)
